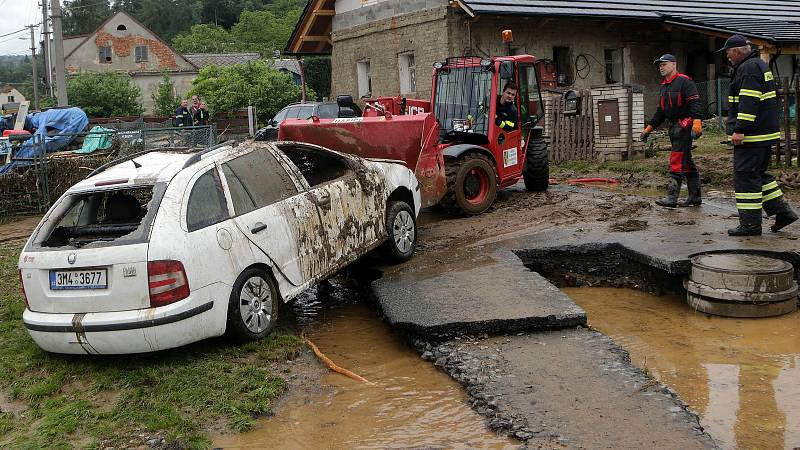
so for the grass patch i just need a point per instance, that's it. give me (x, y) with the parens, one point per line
(176, 393)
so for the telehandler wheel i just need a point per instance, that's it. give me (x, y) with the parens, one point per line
(471, 184)
(536, 172)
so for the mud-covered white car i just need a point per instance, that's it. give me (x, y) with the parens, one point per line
(166, 248)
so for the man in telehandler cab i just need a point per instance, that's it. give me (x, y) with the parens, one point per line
(506, 116)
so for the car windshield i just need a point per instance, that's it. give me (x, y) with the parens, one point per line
(462, 97)
(101, 218)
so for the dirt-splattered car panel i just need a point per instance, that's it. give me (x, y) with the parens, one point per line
(295, 211)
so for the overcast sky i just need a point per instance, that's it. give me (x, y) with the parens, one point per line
(15, 15)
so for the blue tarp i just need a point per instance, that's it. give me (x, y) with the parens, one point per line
(52, 121)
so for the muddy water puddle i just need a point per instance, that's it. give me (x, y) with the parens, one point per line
(741, 375)
(410, 405)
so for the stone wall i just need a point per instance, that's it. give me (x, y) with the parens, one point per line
(381, 42)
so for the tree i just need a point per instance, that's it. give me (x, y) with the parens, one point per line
(167, 18)
(318, 75)
(204, 38)
(105, 94)
(256, 83)
(84, 16)
(263, 31)
(164, 97)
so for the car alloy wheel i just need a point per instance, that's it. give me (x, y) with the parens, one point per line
(403, 231)
(255, 304)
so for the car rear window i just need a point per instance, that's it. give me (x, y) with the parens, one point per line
(328, 111)
(101, 218)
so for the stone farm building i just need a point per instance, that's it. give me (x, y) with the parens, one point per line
(387, 47)
(123, 44)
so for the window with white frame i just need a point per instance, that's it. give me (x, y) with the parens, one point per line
(408, 76)
(364, 73)
(10, 99)
(141, 53)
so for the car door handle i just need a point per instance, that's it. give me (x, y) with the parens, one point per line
(324, 199)
(258, 227)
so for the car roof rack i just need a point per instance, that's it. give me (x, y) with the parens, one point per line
(199, 155)
(195, 157)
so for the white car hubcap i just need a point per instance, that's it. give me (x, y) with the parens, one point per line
(403, 231)
(255, 304)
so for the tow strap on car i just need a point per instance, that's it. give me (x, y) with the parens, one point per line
(331, 365)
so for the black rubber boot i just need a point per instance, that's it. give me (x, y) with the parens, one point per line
(783, 212)
(749, 224)
(673, 190)
(695, 198)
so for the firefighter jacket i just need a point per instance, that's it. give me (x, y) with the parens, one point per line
(753, 109)
(506, 116)
(678, 101)
(183, 118)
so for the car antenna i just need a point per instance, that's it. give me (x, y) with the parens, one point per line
(135, 164)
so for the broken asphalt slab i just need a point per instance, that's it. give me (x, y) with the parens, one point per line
(492, 293)
(575, 387)
(667, 242)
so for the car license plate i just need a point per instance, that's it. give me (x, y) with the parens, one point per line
(78, 279)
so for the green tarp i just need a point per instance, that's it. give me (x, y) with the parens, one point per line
(99, 138)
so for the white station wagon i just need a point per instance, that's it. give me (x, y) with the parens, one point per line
(168, 248)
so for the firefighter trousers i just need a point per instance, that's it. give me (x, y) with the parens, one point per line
(681, 163)
(755, 188)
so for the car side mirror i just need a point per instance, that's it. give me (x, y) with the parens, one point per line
(273, 123)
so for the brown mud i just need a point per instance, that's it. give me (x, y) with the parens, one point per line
(409, 405)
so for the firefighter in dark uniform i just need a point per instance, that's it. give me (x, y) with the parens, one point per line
(506, 116)
(183, 118)
(754, 128)
(680, 105)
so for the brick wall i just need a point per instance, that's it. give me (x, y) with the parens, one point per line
(424, 33)
(615, 148)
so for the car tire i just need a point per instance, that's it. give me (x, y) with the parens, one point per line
(471, 185)
(253, 306)
(401, 227)
(536, 172)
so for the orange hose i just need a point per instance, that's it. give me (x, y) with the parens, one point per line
(332, 366)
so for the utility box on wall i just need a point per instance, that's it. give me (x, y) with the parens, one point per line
(619, 118)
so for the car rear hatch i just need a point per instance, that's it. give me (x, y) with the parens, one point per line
(89, 254)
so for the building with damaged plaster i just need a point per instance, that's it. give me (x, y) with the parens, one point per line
(387, 47)
(122, 44)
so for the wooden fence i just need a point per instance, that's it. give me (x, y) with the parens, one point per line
(232, 123)
(572, 136)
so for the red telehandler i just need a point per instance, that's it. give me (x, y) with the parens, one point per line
(460, 155)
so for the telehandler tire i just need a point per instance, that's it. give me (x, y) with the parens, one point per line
(536, 172)
(471, 185)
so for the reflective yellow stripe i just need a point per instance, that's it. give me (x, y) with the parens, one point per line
(748, 117)
(748, 195)
(773, 195)
(733, 99)
(751, 93)
(769, 186)
(762, 137)
(748, 206)
(769, 95)
(768, 76)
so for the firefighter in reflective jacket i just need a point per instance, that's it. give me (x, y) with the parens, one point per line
(183, 118)
(506, 116)
(754, 127)
(680, 105)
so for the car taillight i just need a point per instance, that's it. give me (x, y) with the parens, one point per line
(22, 290)
(167, 282)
